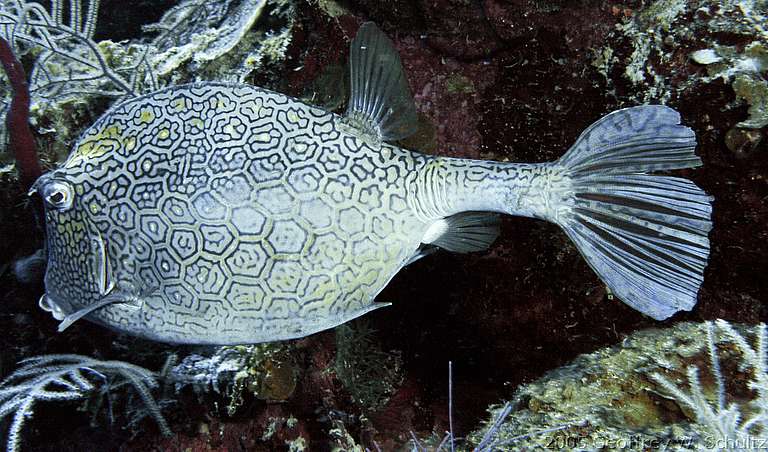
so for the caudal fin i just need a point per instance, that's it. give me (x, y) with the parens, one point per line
(645, 235)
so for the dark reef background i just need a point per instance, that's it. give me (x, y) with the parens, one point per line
(514, 80)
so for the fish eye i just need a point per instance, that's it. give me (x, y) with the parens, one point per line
(58, 195)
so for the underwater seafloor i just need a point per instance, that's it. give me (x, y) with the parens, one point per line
(514, 80)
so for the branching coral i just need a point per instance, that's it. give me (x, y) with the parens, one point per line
(51, 378)
(727, 425)
(67, 62)
(70, 62)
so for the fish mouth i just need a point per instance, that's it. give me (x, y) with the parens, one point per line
(57, 309)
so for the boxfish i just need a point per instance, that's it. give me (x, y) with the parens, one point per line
(222, 213)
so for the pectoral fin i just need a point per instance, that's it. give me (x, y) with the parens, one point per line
(380, 103)
(80, 313)
(132, 296)
(464, 232)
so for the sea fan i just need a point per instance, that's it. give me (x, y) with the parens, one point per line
(69, 377)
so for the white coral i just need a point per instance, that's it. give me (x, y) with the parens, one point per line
(68, 377)
(731, 426)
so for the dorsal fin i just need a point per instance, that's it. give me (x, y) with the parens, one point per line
(380, 102)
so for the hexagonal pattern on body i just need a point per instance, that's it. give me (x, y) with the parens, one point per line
(247, 203)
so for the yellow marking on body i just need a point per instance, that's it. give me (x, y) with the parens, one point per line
(253, 106)
(229, 129)
(325, 288)
(86, 148)
(163, 134)
(91, 150)
(146, 165)
(74, 160)
(130, 143)
(113, 131)
(94, 207)
(179, 104)
(196, 122)
(108, 139)
(146, 116)
(436, 164)
(293, 117)
(368, 276)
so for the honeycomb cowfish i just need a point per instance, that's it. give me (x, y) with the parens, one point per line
(219, 213)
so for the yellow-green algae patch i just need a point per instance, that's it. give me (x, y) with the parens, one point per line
(268, 373)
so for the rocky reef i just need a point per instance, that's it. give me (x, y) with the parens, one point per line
(513, 80)
(623, 397)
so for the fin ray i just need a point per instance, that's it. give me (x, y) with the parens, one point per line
(645, 235)
(465, 232)
(380, 100)
(73, 317)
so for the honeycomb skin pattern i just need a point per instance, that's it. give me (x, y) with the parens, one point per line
(231, 214)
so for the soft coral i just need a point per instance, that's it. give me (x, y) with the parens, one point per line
(21, 141)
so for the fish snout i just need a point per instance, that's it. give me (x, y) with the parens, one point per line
(48, 304)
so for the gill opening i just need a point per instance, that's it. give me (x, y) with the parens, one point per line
(102, 269)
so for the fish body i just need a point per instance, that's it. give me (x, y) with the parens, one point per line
(222, 213)
(234, 209)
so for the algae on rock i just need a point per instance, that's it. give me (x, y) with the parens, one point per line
(369, 373)
(744, 71)
(662, 34)
(615, 398)
(265, 371)
(221, 40)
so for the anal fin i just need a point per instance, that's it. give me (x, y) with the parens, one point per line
(423, 251)
(464, 232)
